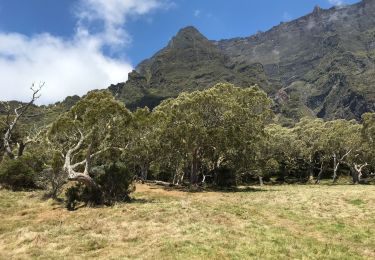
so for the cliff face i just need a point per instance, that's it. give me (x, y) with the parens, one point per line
(189, 62)
(324, 61)
(321, 64)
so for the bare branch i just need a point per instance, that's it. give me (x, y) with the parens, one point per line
(19, 112)
(346, 154)
(81, 163)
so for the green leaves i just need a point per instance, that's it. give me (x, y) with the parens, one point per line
(224, 123)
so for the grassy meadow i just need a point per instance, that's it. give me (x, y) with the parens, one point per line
(278, 222)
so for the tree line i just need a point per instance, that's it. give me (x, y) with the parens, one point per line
(222, 136)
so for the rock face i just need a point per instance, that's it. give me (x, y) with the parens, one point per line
(321, 64)
(189, 62)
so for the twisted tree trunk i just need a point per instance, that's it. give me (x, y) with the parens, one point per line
(357, 174)
(83, 177)
(319, 177)
(336, 164)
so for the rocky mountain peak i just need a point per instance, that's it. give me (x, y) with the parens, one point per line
(189, 30)
(317, 10)
(188, 37)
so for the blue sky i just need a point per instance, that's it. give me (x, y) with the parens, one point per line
(78, 45)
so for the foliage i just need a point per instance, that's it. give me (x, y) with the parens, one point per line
(73, 197)
(90, 134)
(17, 174)
(221, 136)
(53, 177)
(114, 184)
(207, 130)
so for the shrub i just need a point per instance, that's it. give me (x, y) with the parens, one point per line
(114, 183)
(225, 178)
(17, 174)
(52, 179)
(73, 196)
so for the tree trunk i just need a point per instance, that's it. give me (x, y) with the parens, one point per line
(144, 172)
(6, 139)
(21, 148)
(336, 164)
(68, 168)
(319, 177)
(175, 177)
(83, 178)
(194, 168)
(260, 180)
(193, 173)
(355, 175)
(311, 171)
(282, 172)
(357, 172)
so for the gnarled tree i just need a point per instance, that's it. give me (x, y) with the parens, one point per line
(89, 129)
(13, 116)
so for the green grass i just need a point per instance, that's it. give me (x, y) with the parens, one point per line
(299, 222)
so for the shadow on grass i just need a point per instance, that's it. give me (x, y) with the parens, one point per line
(239, 189)
(139, 201)
(200, 189)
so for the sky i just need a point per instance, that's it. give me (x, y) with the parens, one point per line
(78, 45)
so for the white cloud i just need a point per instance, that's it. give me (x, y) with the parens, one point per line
(113, 14)
(197, 13)
(70, 66)
(67, 67)
(336, 2)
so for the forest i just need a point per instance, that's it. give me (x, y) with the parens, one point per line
(218, 138)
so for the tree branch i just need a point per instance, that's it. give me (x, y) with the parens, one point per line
(19, 112)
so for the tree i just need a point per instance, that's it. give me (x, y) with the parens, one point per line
(342, 138)
(88, 130)
(283, 147)
(11, 121)
(368, 137)
(142, 140)
(218, 127)
(364, 156)
(309, 133)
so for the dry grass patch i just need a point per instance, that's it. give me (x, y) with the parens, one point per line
(311, 222)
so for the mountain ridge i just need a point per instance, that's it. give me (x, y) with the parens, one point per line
(321, 64)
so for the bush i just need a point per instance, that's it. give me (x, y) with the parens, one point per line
(115, 183)
(53, 179)
(73, 196)
(17, 174)
(225, 178)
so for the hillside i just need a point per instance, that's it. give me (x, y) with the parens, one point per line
(322, 64)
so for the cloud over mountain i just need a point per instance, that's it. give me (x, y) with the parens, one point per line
(75, 65)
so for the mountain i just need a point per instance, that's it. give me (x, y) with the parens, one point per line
(189, 62)
(322, 64)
